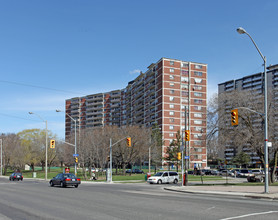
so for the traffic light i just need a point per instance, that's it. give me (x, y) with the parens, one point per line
(179, 155)
(108, 158)
(128, 142)
(76, 159)
(234, 117)
(52, 143)
(187, 135)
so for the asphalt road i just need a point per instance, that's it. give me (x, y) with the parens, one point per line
(31, 199)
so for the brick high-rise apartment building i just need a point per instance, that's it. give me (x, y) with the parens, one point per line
(160, 95)
(254, 83)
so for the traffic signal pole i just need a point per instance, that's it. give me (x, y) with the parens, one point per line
(186, 153)
(109, 176)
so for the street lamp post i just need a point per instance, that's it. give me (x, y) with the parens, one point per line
(240, 30)
(75, 147)
(46, 137)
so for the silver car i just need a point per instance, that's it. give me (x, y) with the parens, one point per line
(164, 177)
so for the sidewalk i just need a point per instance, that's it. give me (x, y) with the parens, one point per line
(244, 191)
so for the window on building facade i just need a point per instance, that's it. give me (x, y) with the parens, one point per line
(184, 72)
(172, 120)
(185, 100)
(172, 84)
(198, 101)
(198, 129)
(183, 107)
(172, 91)
(197, 115)
(172, 106)
(197, 80)
(184, 64)
(172, 63)
(171, 98)
(171, 113)
(197, 87)
(183, 93)
(172, 77)
(198, 149)
(184, 79)
(198, 156)
(198, 94)
(197, 135)
(172, 70)
(198, 108)
(198, 73)
(171, 135)
(198, 122)
(198, 143)
(184, 86)
(198, 66)
(171, 127)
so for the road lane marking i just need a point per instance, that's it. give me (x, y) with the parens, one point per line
(247, 215)
(213, 207)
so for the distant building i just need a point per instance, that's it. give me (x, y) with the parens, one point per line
(254, 83)
(160, 95)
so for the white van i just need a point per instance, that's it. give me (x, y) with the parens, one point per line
(164, 177)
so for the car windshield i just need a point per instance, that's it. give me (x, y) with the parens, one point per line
(158, 174)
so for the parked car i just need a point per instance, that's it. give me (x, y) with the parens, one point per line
(137, 171)
(255, 172)
(224, 173)
(134, 171)
(244, 173)
(206, 172)
(64, 180)
(164, 177)
(16, 176)
(256, 178)
(215, 172)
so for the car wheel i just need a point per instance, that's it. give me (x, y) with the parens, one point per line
(159, 182)
(51, 184)
(175, 181)
(62, 185)
(13, 179)
(262, 180)
(10, 179)
(76, 186)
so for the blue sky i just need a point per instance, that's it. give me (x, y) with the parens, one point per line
(54, 50)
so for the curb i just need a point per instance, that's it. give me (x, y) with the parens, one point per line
(248, 195)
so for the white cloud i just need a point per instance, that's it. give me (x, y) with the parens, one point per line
(136, 71)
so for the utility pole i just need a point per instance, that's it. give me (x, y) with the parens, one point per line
(1, 159)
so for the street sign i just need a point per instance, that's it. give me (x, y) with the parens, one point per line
(186, 157)
(75, 155)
